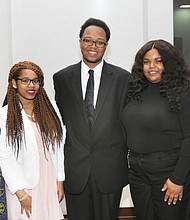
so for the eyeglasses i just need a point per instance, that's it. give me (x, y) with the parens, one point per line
(27, 81)
(88, 42)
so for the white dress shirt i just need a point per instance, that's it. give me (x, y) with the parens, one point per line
(85, 76)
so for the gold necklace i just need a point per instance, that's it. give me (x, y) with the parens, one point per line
(30, 116)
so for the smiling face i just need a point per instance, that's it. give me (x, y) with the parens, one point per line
(92, 55)
(26, 92)
(153, 66)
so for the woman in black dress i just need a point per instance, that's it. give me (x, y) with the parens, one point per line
(157, 123)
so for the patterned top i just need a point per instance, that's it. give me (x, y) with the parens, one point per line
(3, 205)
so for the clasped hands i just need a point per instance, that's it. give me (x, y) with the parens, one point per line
(173, 192)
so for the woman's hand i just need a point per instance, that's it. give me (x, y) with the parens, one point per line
(26, 205)
(25, 202)
(60, 190)
(173, 192)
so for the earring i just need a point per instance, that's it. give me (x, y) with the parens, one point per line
(14, 86)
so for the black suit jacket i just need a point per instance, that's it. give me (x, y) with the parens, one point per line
(101, 149)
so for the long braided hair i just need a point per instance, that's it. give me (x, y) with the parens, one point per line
(45, 115)
(175, 77)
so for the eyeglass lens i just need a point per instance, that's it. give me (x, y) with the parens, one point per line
(27, 81)
(90, 42)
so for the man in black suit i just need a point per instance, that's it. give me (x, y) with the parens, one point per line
(95, 148)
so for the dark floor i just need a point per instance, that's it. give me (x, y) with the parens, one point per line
(125, 214)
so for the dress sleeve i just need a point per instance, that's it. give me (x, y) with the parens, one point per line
(11, 166)
(183, 165)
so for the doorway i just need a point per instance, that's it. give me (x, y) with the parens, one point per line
(182, 27)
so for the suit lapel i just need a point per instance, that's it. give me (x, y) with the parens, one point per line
(105, 83)
(75, 81)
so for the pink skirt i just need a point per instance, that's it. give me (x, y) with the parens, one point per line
(45, 204)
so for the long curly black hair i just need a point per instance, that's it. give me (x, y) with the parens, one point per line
(175, 76)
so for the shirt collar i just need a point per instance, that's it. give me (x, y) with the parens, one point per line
(97, 69)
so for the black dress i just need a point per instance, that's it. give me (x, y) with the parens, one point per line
(159, 143)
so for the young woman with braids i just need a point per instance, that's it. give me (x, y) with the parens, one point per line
(31, 150)
(157, 123)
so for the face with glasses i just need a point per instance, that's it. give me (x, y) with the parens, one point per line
(27, 85)
(93, 45)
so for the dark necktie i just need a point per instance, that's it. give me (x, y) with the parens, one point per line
(89, 97)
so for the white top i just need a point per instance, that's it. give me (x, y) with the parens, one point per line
(85, 76)
(23, 172)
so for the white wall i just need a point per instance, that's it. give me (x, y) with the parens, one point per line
(46, 32)
(5, 46)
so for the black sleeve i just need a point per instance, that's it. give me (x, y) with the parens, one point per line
(183, 165)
